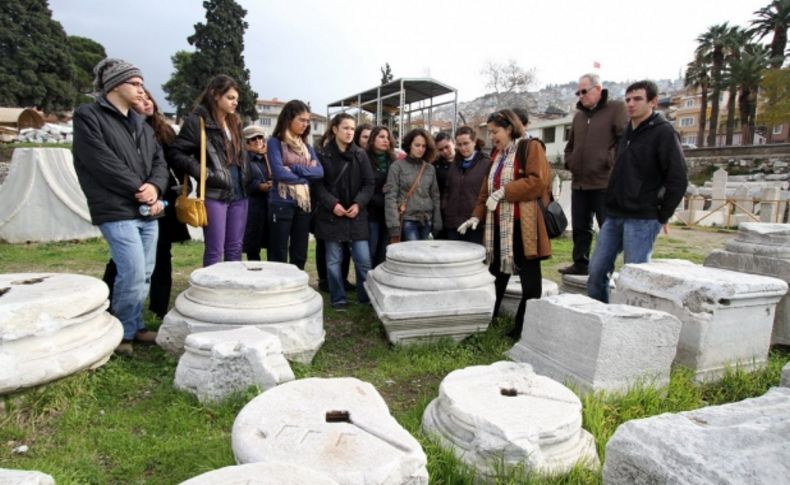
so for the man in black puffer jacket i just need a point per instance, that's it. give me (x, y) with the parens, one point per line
(121, 168)
(647, 183)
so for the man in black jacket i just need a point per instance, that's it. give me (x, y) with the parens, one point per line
(647, 183)
(122, 170)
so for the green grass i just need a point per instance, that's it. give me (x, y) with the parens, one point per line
(125, 423)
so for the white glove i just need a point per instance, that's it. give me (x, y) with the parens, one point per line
(494, 199)
(472, 223)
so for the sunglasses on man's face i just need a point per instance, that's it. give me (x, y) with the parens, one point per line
(256, 138)
(582, 92)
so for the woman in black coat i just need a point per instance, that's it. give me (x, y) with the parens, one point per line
(341, 215)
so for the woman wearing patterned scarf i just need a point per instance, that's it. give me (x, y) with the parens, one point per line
(294, 166)
(515, 234)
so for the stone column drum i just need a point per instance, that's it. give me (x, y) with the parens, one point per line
(513, 293)
(733, 444)
(431, 289)
(340, 426)
(762, 249)
(51, 326)
(596, 346)
(262, 474)
(505, 413)
(727, 316)
(274, 297)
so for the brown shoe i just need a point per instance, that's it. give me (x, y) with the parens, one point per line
(574, 269)
(145, 336)
(125, 348)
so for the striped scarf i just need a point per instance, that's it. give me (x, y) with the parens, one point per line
(506, 213)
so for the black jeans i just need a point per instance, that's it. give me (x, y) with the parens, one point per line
(585, 204)
(529, 273)
(289, 229)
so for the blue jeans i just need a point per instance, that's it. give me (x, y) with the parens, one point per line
(633, 237)
(360, 252)
(378, 237)
(415, 231)
(133, 248)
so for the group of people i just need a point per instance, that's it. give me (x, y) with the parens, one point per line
(354, 191)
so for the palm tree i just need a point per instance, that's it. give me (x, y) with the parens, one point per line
(735, 40)
(747, 73)
(698, 77)
(773, 19)
(712, 44)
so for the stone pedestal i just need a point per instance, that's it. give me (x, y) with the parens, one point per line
(513, 293)
(432, 289)
(597, 346)
(505, 413)
(24, 477)
(51, 326)
(262, 474)
(341, 427)
(762, 249)
(273, 297)
(727, 316)
(574, 283)
(216, 364)
(738, 443)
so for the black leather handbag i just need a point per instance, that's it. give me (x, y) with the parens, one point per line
(553, 217)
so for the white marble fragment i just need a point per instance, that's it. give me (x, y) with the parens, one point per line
(52, 325)
(216, 364)
(574, 283)
(737, 443)
(596, 346)
(24, 477)
(513, 293)
(262, 474)
(505, 413)
(340, 426)
(432, 289)
(762, 249)
(727, 316)
(273, 297)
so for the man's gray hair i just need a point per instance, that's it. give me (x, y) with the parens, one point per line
(595, 79)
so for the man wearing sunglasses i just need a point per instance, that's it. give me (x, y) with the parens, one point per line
(589, 155)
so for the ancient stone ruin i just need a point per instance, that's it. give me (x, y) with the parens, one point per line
(596, 346)
(262, 474)
(216, 364)
(51, 326)
(24, 477)
(432, 289)
(512, 296)
(340, 427)
(727, 316)
(762, 249)
(273, 297)
(737, 443)
(504, 413)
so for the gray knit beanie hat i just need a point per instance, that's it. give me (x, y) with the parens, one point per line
(111, 72)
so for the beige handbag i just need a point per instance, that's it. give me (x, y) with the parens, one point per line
(193, 211)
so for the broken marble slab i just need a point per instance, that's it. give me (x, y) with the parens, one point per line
(216, 364)
(338, 426)
(52, 325)
(273, 297)
(432, 289)
(9, 476)
(727, 316)
(512, 296)
(262, 474)
(575, 283)
(761, 249)
(504, 413)
(736, 443)
(576, 339)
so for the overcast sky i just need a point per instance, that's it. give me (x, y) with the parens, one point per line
(324, 50)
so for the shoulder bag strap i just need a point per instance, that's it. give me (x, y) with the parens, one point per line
(415, 184)
(202, 193)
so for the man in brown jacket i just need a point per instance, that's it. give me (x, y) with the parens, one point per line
(589, 155)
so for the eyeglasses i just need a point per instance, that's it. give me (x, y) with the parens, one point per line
(256, 138)
(136, 84)
(582, 92)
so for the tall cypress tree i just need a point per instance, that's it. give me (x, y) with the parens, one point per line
(219, 47)
(36, 68)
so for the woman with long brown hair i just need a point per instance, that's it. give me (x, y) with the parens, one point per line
(227, 171)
